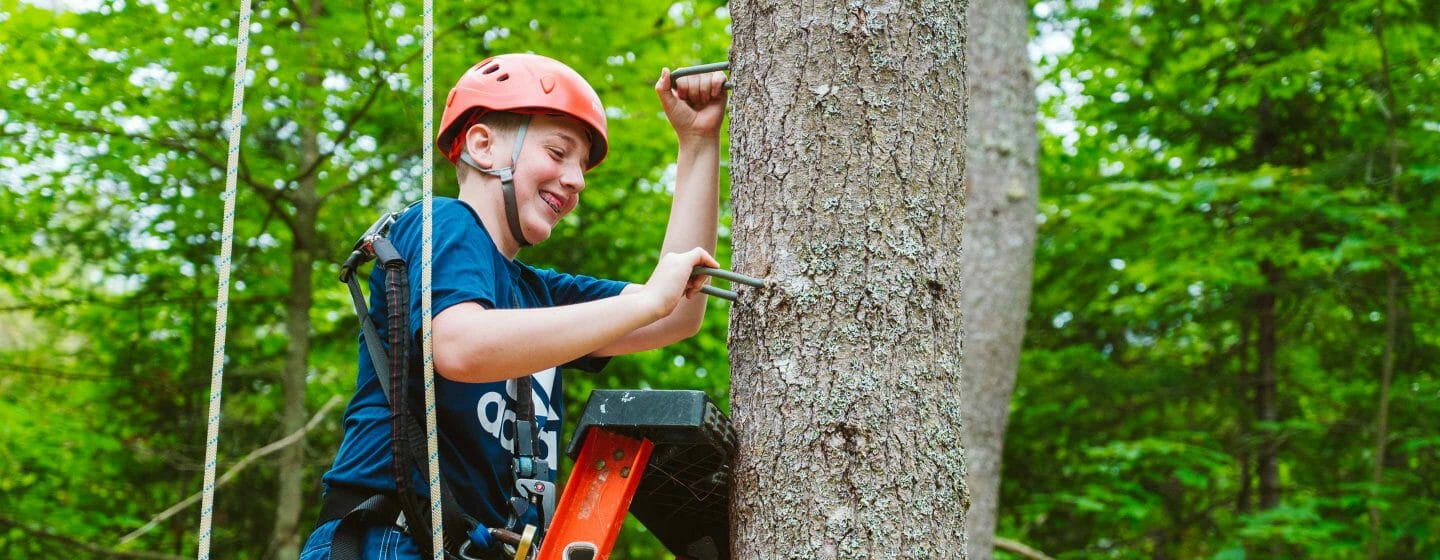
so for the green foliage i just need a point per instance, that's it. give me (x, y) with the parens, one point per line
(1196, 157)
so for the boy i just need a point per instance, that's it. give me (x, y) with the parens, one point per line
(521, 130)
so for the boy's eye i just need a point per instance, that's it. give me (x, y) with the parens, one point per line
(557, 153)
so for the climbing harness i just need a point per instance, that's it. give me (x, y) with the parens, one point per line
(222, 297)
(360, 508)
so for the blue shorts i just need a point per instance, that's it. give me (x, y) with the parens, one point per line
(382, 542)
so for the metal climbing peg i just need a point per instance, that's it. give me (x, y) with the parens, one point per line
(726, 275)
(701, 69)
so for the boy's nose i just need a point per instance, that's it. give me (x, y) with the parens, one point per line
(573, 178)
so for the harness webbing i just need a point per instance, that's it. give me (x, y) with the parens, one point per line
(222, 297)
(392, 369)
(432, 445)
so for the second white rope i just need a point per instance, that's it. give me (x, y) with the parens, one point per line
(432, 444)
(222, 297)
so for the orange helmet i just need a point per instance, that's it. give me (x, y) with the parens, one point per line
(522, 83)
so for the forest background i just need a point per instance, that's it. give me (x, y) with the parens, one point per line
(1232, 338)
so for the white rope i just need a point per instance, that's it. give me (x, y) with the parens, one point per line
(432, 444)
(222, 297)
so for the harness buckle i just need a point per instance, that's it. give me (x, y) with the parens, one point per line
(364, 250)
(539, 494)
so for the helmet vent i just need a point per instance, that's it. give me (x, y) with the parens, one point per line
(502, 77)
(490, 69)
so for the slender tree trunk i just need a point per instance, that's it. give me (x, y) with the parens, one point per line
(1267, 137)
(285, 542)
(848, 154)
(1247, 400)
(1393, 277)
(999, 244)
(1265, 392)
(285, 538)
(1382, 414)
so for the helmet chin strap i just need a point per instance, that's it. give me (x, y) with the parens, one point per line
(507, 183)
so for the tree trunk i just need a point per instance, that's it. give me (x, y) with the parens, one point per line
(285, 538)
(1393, 277)
(1265, 391)
(285, 542)
(1266, 466)
(999, 246)
(848, 155)
(1245, 394)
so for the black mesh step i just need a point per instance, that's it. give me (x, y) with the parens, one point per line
(684, 496)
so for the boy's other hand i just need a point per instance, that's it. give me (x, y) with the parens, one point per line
(696, 106)
(674, 277)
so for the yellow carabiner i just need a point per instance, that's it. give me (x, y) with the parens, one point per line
(522, 550)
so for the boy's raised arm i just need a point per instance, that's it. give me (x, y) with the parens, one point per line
(696, 109)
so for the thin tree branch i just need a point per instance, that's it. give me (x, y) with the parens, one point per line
(229, 475)
(130, 303)
(299, 14)
(1016, 547)
(367, 175)
(99, 550)
(270, 195)
(172, 143)
(54, 373)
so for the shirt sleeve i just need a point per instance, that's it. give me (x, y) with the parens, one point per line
(568, 289)
(463, 260)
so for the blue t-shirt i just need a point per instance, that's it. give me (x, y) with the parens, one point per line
(476, 420)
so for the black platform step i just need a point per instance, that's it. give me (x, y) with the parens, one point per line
(684, 496)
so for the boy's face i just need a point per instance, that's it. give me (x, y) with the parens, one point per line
(549, 175)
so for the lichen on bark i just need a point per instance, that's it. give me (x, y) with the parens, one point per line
(848, 159)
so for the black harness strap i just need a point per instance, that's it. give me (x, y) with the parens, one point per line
(372, 337)
(378, 509)
(397, 330)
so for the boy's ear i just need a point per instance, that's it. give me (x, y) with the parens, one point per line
(480, 144)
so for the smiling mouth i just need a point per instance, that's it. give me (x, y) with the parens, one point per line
(552, 201)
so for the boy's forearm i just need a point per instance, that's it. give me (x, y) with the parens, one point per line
(693, 213)
(475, 345)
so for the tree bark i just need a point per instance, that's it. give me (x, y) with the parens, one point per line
(999, 244)
(848, 161)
